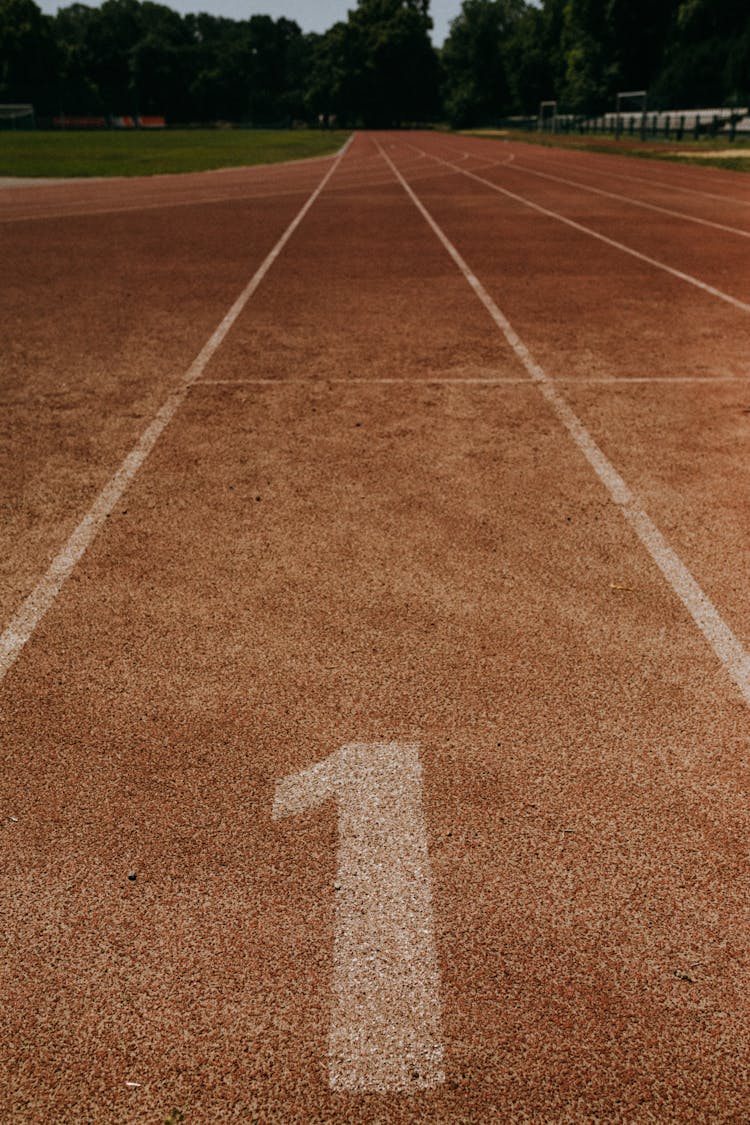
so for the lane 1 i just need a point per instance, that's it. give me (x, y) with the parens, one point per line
(442, 573)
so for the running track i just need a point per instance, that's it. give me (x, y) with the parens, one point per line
(436, 452)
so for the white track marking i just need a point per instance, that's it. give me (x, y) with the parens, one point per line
(742, 305)
(657, 379)
(632, 202)
(485, 167)
(664, 184)
(25, 620)
(256, 175)
(720, 637)
(386, 1018)
(84, 213)
(623, 176)
(322, 381)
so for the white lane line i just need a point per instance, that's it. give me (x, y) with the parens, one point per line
(386, 1031)
(742, 305)
(663, 183)
(720, 637)
(604, 380)
(81, 213)
(25, 620)
(557, 159)
(658, 379)
(324, 380)
(632, 202)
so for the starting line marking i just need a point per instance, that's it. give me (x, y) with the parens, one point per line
(386, 1019)
(706, 616)
(26, 618)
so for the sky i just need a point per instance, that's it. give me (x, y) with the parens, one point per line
(311, 15)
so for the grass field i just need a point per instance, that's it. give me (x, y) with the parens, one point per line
(48, 154)
(709, 152)
(144, 154)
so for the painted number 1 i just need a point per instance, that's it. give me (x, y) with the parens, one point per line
(385, 1025)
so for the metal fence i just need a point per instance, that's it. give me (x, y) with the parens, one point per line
(671, 125)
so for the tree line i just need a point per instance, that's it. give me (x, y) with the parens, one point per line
(378, 67)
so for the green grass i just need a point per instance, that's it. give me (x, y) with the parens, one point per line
(147, 154)
(696, 153)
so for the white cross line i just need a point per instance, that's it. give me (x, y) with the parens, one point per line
(583, 380)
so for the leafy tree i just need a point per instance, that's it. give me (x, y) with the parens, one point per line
(113, 34)
(379, 66)
(335, 78)
(610, 46)
(638, 31)
(479, 73)
(132, 57)
(589, 66)
(28, 55)
(707, 61)
(250, 70)
(208, 94)
(77, 91)
(531, 60)
(274, 48)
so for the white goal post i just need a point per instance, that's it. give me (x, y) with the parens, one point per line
(547, 113)
(20, 116)
(639, 97)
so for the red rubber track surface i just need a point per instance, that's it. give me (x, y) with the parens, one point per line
(365, 524)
